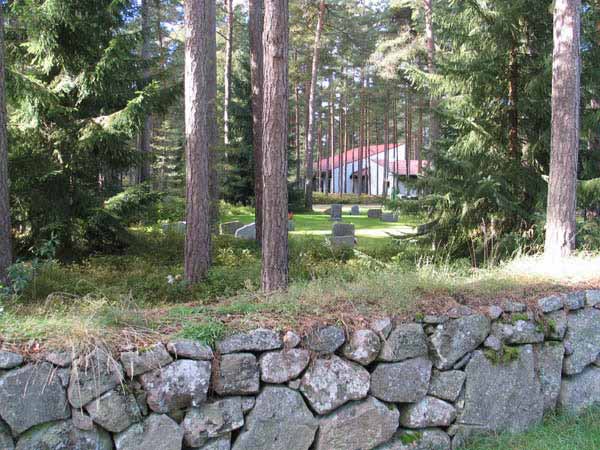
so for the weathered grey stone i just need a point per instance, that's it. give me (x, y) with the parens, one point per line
(60, 359)
(343, 229)
(63, 435)
(403, 382)
(569, 349)
(9, 360)
(81, 420)
(336, 212)
(212, 420)
(32, 395)
(291, 340)
(179, 385)
(280, 367)
(247, 232)
(455, 338)
(157, 432)
(355, 210)
(460, 311)
(260, 340)
(549, 362)
(6, 440)
(525, 332)
(583, 332)
(383, 327)
(404, 342)
(549, 304)
(247, 404)
(389, 217)
(555, 325)
(592, 297)
(374, 213)
(502, 397)
(434, 319)
(493, 342)
(461, 364)
(363, 347)
(91, 376)
(325, 340)
(329, 383)
(114, 411)
(137, 363)
(238, 374)
(358, 425)
(427, 439)
(447, 385)
(342, 241)
(218, 443)
(189, 349)
(580, 391)
(513, 307)
(465, 434)
(428, 412)
(279, 421)
(574, 300)
(294, 384)
(494, 312)
(230, 227)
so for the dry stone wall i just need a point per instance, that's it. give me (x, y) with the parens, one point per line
(430, 385)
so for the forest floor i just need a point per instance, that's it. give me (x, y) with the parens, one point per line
(123, 300)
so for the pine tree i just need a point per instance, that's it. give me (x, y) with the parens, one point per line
(5, 223)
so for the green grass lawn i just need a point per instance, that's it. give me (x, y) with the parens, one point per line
(557, 433)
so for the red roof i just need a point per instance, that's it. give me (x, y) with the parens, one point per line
(399, 167)
(353, 155)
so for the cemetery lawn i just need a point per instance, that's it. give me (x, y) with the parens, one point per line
(124, 299)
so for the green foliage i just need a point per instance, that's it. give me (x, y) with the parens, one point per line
(136, 204)
(171, 209)
(588, 235)
(406, 206)
(588, 195)
(208, 332)
(104, 232)
(320, 198)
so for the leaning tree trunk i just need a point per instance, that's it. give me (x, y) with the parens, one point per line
(434, 123)
(560, 225)
(228, 65)
(200, 29)
(312, 106)
(274, 150)
(145, 137)
(5, 225)
(256, 14)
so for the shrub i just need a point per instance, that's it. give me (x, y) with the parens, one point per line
(170, 209)
(346, 199)
(136, 204)
(406, 206)
(588, 196)
(104, 232)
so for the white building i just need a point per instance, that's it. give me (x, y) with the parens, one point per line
(340, 173)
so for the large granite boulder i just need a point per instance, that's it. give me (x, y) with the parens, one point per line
(63, 435)
(260, 340)
(452, 340)
(6, 440)
(280, 420)
(403, 382)
(91, 376)
(212, 420)
(524, 332)
(237, 374)
(32, 395)
(583, 333)
(9, 360)
(580, 391)
(190, 349)
(358, 425)
(429, 412)
(325, 339)
(549, 304)
(331, 382)
(157, 432)
(502, 396)
(555, 325)
(404, 342)
(283, 366)
(549, 363)
(447, 385)
(428, 439)
(115, 411)
(179, 385)
(218, 443)
(137, 363)
(363, 347)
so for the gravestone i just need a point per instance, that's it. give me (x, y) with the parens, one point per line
(336, 212)
(374, 213)
(343, 229)
(175, 227)
(389, 217)
(231, 227)
(342, 235)
(247, 232)
(291, 226)
(355, 210)
(342, 241)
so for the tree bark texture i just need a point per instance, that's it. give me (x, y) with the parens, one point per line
(228, 65)
(145, 136)
(5, 223)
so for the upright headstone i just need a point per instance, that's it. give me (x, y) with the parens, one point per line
(355, 210)
(343, 229)
(374, 213)
(231, 227)
(389, 217)
(247, 232)
(336, 212)
(342, 235)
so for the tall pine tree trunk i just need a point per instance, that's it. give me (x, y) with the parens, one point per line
(312, 106)
(434, 123)
(200, 29)
(5, 224)
(275, 132)
(297, 136)
(513, 112)
(255, 24)
(560, 224)
(145, 137)
(228, 65)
